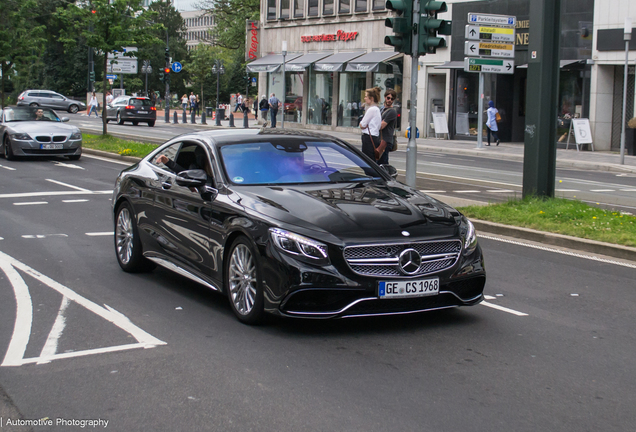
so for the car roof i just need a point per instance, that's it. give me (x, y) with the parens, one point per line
(229, 136)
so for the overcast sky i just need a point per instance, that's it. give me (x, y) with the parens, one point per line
(186, 5)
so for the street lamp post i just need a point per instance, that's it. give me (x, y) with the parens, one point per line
(146, 69)
(627, 36)
(219, 70)
(282, 122)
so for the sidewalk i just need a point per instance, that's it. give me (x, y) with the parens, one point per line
(584, 159)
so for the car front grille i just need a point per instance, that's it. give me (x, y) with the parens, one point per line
(49, 152)
(47, 138)
(383, 259)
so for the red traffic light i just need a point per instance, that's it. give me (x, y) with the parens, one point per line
(166, 70)
(94, 11)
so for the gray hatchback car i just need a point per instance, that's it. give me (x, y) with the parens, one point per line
(49, 99)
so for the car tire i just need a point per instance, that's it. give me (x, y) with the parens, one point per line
(127, 243)
(243, 282)
(135, 123)
(75, 157)
(151, 123)
(73, 109)
(33, 104)
(119, 119)
(7, 151)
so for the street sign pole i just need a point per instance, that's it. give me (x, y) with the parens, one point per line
(480, 115)
(411, 148)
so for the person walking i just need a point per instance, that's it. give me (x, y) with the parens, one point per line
(255, 107)
(193, 101)
(239, 102)
(109, 98)
(197, 104)
(387, 128)
(491, 123)
(92, 105)
(184, 102)
(274, 104)
(264, 107)
(370, 123)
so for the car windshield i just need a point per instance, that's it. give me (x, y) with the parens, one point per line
(140, 102)
(294, 161)
(17, 114)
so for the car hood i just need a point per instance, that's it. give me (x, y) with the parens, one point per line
(41, 127)
(354, 211)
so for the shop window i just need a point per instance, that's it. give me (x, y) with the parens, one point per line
(299, 8)
(378, 5)
(327, 7)
(293, 97)
(271, 9)
(351, 93)
(361, 5)
(466, 104)
(313, 8)
(284, 9)
(319, 105)
(344, 6)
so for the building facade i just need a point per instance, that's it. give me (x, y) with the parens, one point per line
(199, 26)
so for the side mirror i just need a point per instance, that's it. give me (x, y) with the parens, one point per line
(192, 178)
(65, 119)
(390, 170)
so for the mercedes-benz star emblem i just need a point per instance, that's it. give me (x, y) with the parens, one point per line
(410, 261)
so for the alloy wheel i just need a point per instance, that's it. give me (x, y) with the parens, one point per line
(124, 236)
(242, 279)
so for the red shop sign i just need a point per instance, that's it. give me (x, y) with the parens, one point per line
(339, 36)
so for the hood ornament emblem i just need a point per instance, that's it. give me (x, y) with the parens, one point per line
(406, 233)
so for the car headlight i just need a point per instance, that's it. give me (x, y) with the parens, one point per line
(76, 135)
(470, 238)
(21, 136)
(296, 244)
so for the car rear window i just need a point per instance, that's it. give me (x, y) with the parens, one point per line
(140, 102)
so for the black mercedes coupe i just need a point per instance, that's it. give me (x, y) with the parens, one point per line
(295, 224)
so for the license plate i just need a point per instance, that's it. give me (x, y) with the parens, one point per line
(413, 288)
(142, 112)
(51, 146)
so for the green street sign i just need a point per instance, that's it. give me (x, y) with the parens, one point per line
(489, 65)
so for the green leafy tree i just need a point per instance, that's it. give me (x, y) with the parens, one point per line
(109, 26)
(229, 21)
(21, 37)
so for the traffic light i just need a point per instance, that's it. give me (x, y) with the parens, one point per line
(166, 72)
(402, 25)
(162, 76)
(167, 56)
(430, 27)
(91, 76)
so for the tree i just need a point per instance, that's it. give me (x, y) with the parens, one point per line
(20, 36)
(229, 21)
(109, 26)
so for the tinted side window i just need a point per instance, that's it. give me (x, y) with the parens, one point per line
(170, 152)
(45, 95)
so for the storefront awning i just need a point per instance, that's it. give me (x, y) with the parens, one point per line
(270, 63)
(303, 62)
(370, 62)
(335, 62)
(562, 63)
(451, 65)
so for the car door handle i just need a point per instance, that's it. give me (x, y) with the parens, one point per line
(166, 185)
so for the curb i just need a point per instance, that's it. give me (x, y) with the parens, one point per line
(109, 155)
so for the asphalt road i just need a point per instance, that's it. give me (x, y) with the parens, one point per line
(486, 179)
(551, 349)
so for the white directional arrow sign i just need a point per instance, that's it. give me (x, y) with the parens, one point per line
(490, 49)
(485, 34)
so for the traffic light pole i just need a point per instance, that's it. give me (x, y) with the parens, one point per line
(411, 149)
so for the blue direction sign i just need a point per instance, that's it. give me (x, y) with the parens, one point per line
(176, 67)
(111, 77)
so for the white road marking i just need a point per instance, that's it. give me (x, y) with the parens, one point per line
(41, 236)
(95, 234)
(466, 191)
(54, 193)
(67, 185)
(567, 190)
(602, 190)
(562, 252)
(50, 347)
(75, 201)
(24, 318)
(65, 165)
(628, 190)
(433, 191)
(30, 203)
(500, 191)
(489, 297)
(503, 309)
(7, 168)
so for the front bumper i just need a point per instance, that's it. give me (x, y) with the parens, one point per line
(34, 148)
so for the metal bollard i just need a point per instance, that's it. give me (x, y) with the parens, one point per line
(185, 119)
(176, 118)
(203, 117)
(246, 120)
(167, 115)
(218, 118)
(192, 118)
(232, 120)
